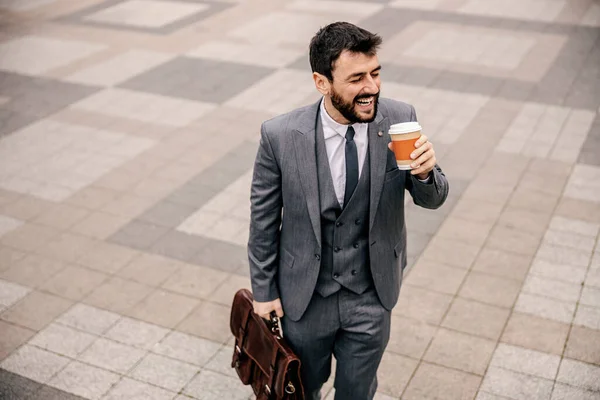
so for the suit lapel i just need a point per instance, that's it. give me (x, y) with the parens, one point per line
(306, 158)
(378, 148)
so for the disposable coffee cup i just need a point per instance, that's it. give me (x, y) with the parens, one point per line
(404, 136)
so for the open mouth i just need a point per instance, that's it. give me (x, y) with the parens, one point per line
(365, 101)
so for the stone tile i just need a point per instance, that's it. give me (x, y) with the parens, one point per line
(563, 255)
(210, 385)
(460, 351)
(421, 304)
(127, 205)
(526, 361)
(136, 333)
(484, 288)
(100, 225)
(13, 386)
(150, 269)
(515, 385)
(92, 197)
(470, 232)
(476, 318)
(74, 282)
(67, 247)
(410, 337)
(578, 209)
(50, 393)
(566, 392)
(557, 290)
(572, 225)
(62, 216)
(570, 239)
(579, 374)
(536, 333)
(513, 240)
(178, 245)
(11, 293)
(198, 79)
(502, 263)
(545, 307)
(88, 319)
(196, 322)
(107, 257)
(436, 276)
(36, 310)
(11, 337)
(33, 270)
(226, 291)
(164, 372)
(532, 200)
(195, 281)
(434, 382)
(8, 224)
(25, 208)
(588, 317)
(63, 340)
(221, 362)
(9, 256)
(451, 252)
(84, 380)
(128, 389)
(590, 296)
(111, 355)
(394, 373)
(29, 237)
(33, 363)
(559, 272)
(584, 345)
(478, 211)
(223, 256)
(525, 220)
(167, 214)
(118, 295)
(187, 348)
(138, 235)
(164, 308)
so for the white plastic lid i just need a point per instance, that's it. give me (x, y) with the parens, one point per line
(404, 127)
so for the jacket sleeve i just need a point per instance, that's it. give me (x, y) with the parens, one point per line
(433, 193)
(265, 221)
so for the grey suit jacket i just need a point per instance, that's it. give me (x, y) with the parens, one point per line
(284, 248)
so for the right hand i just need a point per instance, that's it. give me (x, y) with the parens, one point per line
(264, 309)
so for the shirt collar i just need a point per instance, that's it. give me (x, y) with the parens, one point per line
(335, 127)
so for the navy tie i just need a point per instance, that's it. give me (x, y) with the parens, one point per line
(351, 165)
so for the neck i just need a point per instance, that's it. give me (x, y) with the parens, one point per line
(334, 113)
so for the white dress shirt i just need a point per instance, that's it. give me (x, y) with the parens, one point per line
(335, 143)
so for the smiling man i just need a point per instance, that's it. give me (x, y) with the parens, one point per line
(327, 235)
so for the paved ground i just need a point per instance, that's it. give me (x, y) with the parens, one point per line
(127, 134)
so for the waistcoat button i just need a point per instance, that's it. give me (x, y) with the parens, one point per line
(353, 272)
(318, 257)
(336, 249)
(340, 223)
(356, 245)
(336, 275)
(357, 222)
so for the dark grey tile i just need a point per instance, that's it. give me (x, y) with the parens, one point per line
(50, 393)
(416, 76)
(79, 17)
(416, 242)
(450, 80)
(590, 151)
(11, 121)
(198, 79)
(138, 234)
(221, 255)
(16, 387)
(423, 221)
(301, 64)
(193, 195)
(167, 214)
(178, 245)
(516, 90)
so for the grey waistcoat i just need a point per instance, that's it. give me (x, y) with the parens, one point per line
(344, 232)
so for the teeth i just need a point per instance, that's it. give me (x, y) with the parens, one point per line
(365, 102)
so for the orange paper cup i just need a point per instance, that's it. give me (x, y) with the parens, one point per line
(404, 137)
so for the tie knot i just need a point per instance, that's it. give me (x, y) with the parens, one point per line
(350, 134)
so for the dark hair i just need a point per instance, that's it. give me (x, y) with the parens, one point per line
(331, 40)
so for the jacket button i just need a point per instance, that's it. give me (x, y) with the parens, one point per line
(336, 275)
(357, 222)
(336, 249)
(353, 272)
(318, 257)
(356, 245)
(340, 223)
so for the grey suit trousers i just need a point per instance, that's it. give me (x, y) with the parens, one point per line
(353, 328)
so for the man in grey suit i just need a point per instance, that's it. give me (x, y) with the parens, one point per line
(327, 235)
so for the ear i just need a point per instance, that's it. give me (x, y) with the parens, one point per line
(322, 83)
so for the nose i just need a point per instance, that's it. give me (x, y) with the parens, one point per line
(372, 86)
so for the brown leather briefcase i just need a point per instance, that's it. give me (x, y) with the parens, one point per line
(261, 357)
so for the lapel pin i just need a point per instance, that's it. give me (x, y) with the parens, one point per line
(380, 134)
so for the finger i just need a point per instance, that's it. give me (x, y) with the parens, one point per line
(266, 316)
(426, 156)
(424, 168)
(422, 140)
(279, 312)
(390, 145)
(422, 149)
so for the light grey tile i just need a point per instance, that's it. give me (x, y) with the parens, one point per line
(210, 385)
(34, 363)
(164, 372)
(566, 392)
(570, 239)
(572, 225)
(567, 292)
(128, 389)
(579, 374)
(545, 308)
(221, 362)
(136, 333)
(559, 272)
(526, 361)
(84, 380)
(590, 296)
(187, 348)
(112, 355)
(63, 340)
(10, 293)
(514, 385)
(563, 255)
(587, 316)
(88, 319)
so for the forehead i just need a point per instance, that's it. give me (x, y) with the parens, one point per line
(350, 63)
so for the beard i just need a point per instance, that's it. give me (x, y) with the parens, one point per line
(348, 111)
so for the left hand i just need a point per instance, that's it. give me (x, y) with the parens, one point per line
(424, 158)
